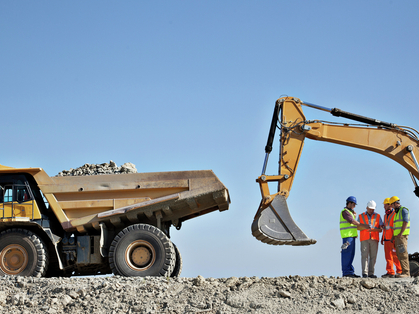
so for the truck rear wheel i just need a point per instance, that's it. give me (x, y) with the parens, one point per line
(178, 265)
(22, 253)
(141, 250)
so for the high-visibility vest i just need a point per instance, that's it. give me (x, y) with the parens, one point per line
(398, 223)
(375, 223)
(388, 223)
(347, 230)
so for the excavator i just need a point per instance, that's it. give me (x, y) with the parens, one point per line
(273, 223)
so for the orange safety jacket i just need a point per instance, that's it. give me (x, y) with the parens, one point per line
(375, 223)
(388, 223)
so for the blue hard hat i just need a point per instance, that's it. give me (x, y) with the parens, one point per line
(351, 199)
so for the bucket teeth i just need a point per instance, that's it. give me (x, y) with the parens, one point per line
(275, 226)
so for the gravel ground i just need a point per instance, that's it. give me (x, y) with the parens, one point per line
(292, 294)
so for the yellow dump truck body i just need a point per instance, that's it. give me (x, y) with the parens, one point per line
(168, 196)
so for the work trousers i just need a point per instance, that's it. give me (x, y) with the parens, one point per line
(369, 249)
(391, 258)
(401, 245)
(347, 257)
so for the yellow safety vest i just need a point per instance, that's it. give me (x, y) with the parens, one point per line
(347, 230)
(398, 223)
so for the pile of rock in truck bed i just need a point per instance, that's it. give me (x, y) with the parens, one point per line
(97, 169)
(280, 295)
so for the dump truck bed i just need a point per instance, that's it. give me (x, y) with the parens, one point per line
(114, 199)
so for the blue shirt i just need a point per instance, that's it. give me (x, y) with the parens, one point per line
(405, 214)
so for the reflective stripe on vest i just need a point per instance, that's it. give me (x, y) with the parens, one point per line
(346, 229)
(388, 223)
(398, 223)
(375, 223)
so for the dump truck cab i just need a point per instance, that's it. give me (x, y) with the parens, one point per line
(17, 200)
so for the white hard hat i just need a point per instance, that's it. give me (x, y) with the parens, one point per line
(371, 204)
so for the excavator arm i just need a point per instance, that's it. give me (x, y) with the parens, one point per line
(273, 223)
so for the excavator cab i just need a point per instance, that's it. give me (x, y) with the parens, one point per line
(273, 223)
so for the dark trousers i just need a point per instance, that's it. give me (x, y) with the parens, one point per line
(347, 257)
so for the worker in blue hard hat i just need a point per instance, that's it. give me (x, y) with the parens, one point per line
(349, 231)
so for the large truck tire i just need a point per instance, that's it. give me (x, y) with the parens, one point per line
(22, 253)
(178, 265)
(414, 268)
(141, 250)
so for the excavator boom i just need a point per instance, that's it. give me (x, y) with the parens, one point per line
(273, 223)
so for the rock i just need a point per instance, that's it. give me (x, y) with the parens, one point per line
(128, 168)
(73, 294)
(367, 284)
(199, 281)
(384, 287)
(232, 281)
(351, 299)
(284, 294)
(65, 300)
(339, 303)
(17, 299)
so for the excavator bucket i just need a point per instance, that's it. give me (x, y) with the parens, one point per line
(274, 225)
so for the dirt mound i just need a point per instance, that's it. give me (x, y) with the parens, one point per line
(292, 294)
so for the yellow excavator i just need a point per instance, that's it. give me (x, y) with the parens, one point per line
(273, 223)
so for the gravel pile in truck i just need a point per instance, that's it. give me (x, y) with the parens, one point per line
(98, 169)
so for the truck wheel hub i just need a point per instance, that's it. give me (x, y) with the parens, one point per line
(140, 255)
(13, 259)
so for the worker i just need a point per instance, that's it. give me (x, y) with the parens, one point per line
(369, 239)
(386, 240)
(348, 231)
(401, 231)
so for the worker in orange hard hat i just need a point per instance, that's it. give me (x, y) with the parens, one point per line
(401, 231)
(389, 248)
(369, 239)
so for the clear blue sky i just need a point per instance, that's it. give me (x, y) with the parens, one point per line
(191, 85)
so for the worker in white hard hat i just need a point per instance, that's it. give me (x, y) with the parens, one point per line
(369, 239)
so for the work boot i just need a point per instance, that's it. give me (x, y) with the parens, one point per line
(403, 276)
(387, 275)
(364, 276)
(372, 276)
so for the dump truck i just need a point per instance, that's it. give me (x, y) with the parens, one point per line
(99, 224)
(273, 223)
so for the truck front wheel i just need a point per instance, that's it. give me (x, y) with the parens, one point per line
(141, 250)
(22, 253)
